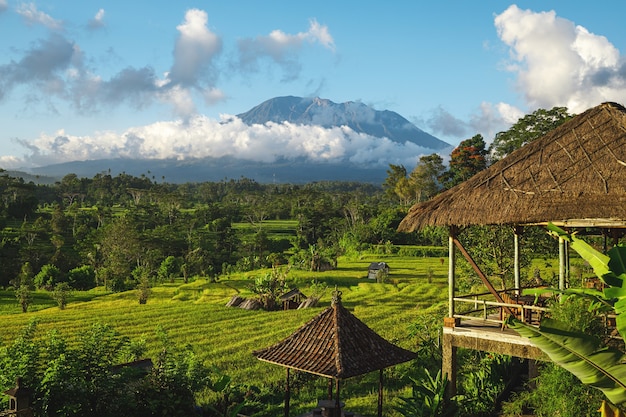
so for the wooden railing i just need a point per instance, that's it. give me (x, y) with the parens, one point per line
(528, 309)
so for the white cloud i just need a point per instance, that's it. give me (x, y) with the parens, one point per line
(282, 48)
(195, 48)
(97, 21)
(3, 5)
(558, 63)
(491, 119)
(201, 137)
(33, 16)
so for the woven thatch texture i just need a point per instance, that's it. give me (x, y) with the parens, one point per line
(335, 344)
(574, 175)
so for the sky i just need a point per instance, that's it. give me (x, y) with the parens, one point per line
(84, 80)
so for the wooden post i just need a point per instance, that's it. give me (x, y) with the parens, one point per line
(561, 263)
(330, 389)
(451, 270)
(517, 232)
(337, 400)
(380, 394)
(449, 365)
(287, 395)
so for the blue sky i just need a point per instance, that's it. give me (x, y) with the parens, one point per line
(87, 80)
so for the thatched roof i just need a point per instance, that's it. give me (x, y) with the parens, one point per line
(575, 176)
(335, 344)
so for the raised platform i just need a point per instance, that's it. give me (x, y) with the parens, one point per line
(490, 337)
(485, 336)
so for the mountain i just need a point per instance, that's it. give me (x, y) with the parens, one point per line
(358, 116)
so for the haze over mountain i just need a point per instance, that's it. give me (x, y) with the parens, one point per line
(284, 139)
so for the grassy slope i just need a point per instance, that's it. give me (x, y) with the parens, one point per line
(195, 314)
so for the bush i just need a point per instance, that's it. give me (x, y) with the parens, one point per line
(82, 278)
(48, 277)
(61, 294)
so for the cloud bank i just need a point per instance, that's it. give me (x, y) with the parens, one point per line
(554, 62)
(202, 137)
(558, 63)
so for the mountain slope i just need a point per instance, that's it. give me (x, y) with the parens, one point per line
(358, 116)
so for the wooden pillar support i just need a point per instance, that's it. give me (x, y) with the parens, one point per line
(380, 394)
(451, 269)
(449, 364)
(287, 394)
(517, 233)
(561, 263)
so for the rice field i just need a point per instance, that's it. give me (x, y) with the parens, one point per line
(195, 314)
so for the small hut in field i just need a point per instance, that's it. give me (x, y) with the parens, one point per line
(375, 269)
(335, 345)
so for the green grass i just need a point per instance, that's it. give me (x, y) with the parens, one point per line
(225, 337)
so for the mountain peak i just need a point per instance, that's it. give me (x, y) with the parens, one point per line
(356, 115)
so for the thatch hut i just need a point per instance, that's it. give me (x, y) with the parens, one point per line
(335, 345)
(573, 177)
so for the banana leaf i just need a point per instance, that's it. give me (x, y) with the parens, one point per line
(582, 355)
(609, 268)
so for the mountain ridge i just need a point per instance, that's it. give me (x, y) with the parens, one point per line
(326, 113)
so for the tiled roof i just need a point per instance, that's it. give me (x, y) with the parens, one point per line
(335, 344)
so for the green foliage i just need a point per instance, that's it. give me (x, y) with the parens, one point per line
(270, 286)
(82, 277)
(48, 277)
(61, 294)
(556, 392)
(91, 377)
(584, 355)
(427, 398)
(527, 129)
(24, 297)
(466, 160)
(483, 378)
(169, 269)
(426, 329)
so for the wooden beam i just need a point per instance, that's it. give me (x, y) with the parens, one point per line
(481, 275)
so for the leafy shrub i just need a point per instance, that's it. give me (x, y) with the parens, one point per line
(48, 277)
(82, 277)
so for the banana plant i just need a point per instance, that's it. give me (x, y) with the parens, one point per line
(585, 356)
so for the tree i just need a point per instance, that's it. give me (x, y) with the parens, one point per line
(121, 252)
(24, 296)
(425, 179)
(466, 160)
(169, 269)
(61, 294)
(526, 130)
(395, 174)
(82, 277)
(48, 277)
